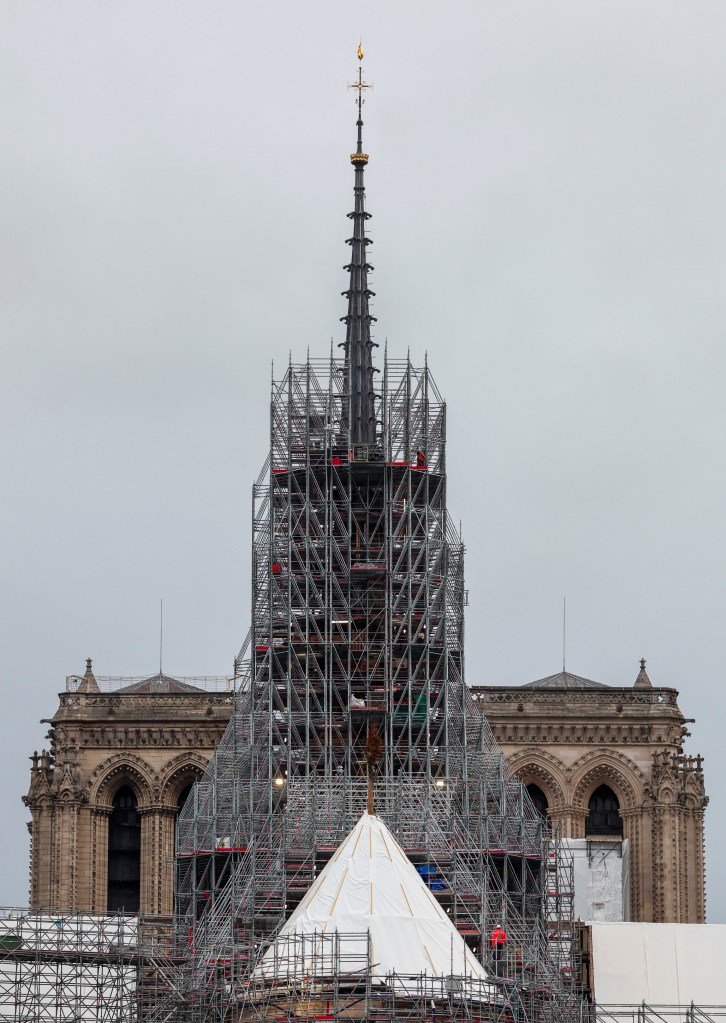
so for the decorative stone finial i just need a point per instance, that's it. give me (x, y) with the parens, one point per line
(642, 681)
(89, 683)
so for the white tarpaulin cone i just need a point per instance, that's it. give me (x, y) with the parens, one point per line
(370, 887)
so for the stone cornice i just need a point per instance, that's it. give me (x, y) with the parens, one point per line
(101, 811)
(85, 708)
(145, 699)
(571, 810)
(163, 809)
(606, 698)
(190, 735)
(568, 732)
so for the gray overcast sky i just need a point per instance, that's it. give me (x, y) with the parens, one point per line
(547, 185)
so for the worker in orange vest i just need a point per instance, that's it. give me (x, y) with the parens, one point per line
(499, 941)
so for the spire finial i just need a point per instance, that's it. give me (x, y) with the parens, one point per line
(88, 683)
(642, 681)
(358, 343)
(359, 157)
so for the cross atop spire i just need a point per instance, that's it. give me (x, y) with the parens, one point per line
(359, 156)
(358, 343)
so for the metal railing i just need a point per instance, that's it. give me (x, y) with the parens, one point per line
(117, 683)
(643, 1012)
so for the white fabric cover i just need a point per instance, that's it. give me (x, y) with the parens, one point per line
(601, 870)
(371, 887)
(661, 964)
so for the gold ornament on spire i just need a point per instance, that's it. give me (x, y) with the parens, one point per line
(359, 157)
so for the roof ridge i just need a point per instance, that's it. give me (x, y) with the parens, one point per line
(565, 680)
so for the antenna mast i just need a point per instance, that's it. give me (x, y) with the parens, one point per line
(161, 631)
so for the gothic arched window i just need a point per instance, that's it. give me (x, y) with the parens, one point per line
(604, 816)
(538, 798)
(124, 853)
(184, 794)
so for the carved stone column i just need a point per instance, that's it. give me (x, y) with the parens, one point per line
(559, 816)
(666, 863)
(41, 859)
(697, 876)
(636, 829)
(659, 841)
(69, 860)
(682, 866)
(157, 851)
(572, 820)
(83, 883)
(149, 845)
(58, 894)
(167, 821)
(99, 858)
(39, 801)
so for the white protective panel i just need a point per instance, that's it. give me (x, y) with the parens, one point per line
(661, 964)
(371, 887)
(600, 876)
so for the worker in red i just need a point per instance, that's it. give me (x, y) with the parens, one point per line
(420, 459)
(499, 943)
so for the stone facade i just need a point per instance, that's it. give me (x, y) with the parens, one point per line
(568, 736)
(565, 734)
(153, 736)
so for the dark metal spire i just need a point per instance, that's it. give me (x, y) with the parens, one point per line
(358, 344)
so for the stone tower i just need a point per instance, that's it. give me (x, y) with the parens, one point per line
(608, 761)
(105, 797)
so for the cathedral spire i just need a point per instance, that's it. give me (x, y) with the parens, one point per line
(358, 344)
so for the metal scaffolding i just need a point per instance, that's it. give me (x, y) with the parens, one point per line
(325, 976)
(357, 625)
(88, 969)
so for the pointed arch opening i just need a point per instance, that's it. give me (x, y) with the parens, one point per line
(181, 800)
(124, 853)
(603, 814)
(184, 794)
(538, 797)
